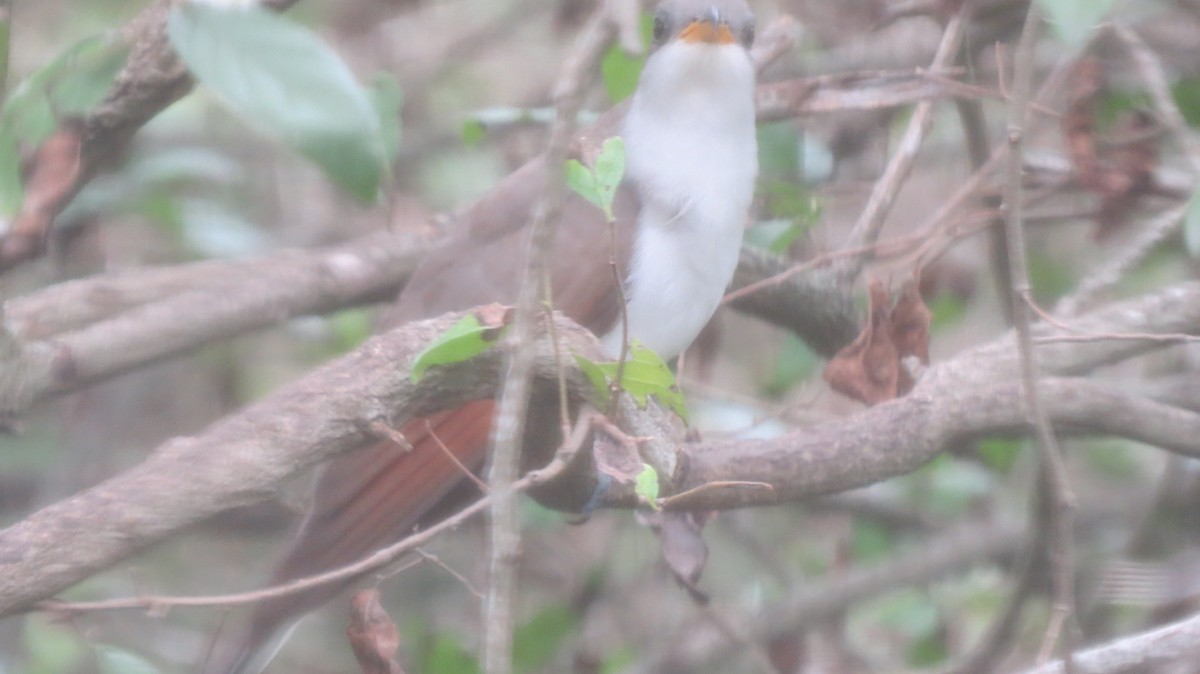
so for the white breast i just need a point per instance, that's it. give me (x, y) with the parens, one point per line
(691, 153)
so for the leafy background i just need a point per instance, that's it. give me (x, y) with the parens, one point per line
(295, 140)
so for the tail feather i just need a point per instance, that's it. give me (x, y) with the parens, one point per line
(364, 501)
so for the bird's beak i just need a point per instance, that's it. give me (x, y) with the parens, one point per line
(708, 29)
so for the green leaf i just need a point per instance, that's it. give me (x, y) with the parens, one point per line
(387, 98)
(599, 185)
(536, 642)
(1073, 20)
(284, 81)
(463, 341)
(609, 171)
(582, 181)
(646, 485)
(115, 660)
(1191, 226)
(644, 375)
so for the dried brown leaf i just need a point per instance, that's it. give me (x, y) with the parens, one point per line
(55, 169)
(868, 369)
(909, 329)
(373, 636)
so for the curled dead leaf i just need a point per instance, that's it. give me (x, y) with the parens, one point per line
(53, 173)
(868, 369)
(373, 637)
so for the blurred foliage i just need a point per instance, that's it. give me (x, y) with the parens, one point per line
(795, 362)
(947, 310)
(52, 647)
(1191, 226)
(620, 70)
(1000, 454)
(281, 79)
(1049, 275)
(1073, 20)
(69, 85)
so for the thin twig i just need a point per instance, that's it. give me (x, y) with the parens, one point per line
(509, 429)
(1058, 500)
(870, 222)
(462, 467)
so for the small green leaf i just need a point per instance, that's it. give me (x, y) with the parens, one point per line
(1073, 20)
(645, 374)
(1191, 226)
(463, 341)
(646, 485)
(609, 171)
(387, 97)
(284, 81)
(582, 181)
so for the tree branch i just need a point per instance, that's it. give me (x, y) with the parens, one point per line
(245, 457)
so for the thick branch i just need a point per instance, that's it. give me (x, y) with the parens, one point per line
(247, 456)
(92, 329)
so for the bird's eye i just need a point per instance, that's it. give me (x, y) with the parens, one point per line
(660, 29)
(748, 35)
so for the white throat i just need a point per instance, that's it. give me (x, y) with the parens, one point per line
(692, 155)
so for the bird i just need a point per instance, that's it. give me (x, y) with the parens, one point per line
(680, 210)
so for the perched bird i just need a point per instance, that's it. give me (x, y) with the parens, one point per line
(691, 161)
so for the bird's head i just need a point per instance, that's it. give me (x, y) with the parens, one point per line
(704, 22)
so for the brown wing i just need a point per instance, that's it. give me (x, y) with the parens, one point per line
(370, 498)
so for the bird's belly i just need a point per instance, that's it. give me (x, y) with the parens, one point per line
(675, 283)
